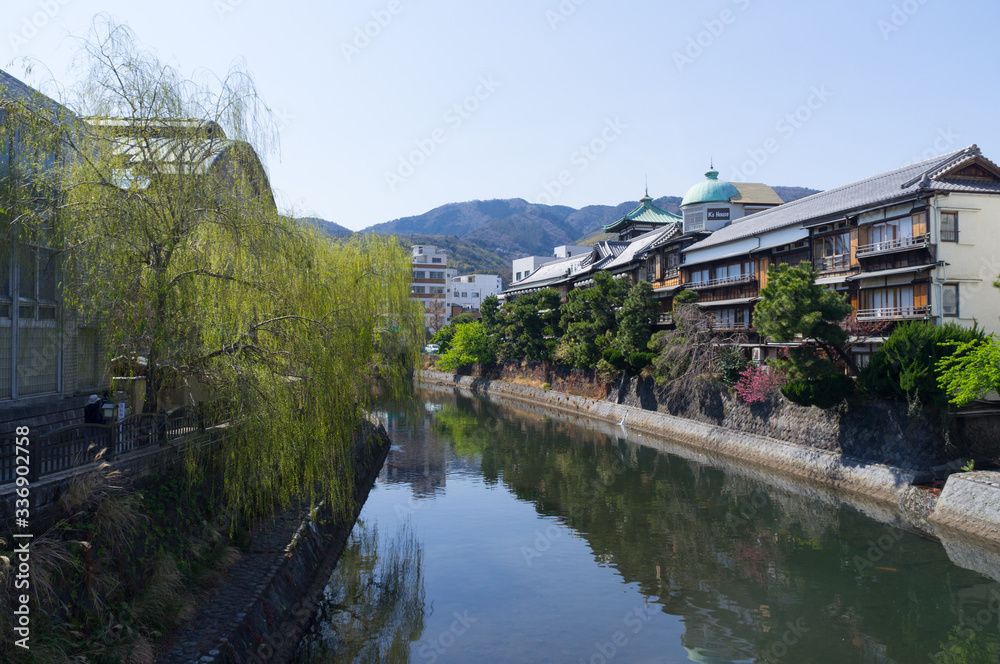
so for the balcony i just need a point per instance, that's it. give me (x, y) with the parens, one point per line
(894, 313)
(832, 263)
(730, 325)
(672, 273)
(724, 281)
(890, 246)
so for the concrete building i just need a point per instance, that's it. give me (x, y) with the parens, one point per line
(468, 291)
(431, 277)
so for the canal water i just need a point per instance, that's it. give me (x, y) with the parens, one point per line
(508, 534)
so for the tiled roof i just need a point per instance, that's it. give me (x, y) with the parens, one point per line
(550, 273)
(642, 243)
(925, 176)
(647, 213)
(12, 88)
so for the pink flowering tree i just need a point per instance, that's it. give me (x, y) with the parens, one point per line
(757, 384)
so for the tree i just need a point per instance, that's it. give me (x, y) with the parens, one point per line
(170, 239)
(692, 348)
(795, 306)
(635, 326)
(529, 325)
(907, 364)
(589, 320)
(972, 371)
(469, 346)
(447, 333)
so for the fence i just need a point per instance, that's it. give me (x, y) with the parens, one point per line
(77, 445)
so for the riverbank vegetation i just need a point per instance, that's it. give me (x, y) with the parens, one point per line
(152, 216)
(608, 329)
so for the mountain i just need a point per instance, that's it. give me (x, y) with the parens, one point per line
(327, 228)
(466, 256)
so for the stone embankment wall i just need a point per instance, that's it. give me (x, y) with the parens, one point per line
(261, 612)
(883, 433)
(880, 481)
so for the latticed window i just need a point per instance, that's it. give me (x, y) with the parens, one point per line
(29, 329)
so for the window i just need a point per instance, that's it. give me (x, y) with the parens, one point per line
(436, 275)
(699, 276)
(949, 227)
(832, 251)
(694, 221)
(949, 300)
(435, 260)
(465, 295)
(437, 290)
(673, 260)
(419, 274)
(419, 290)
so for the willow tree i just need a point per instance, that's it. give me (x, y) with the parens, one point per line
(171, 239)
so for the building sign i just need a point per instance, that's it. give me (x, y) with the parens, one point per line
(718, 214)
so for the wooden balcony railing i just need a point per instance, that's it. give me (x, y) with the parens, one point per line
(893, 313)
(899, 244)
(830, 263)
(724, 281)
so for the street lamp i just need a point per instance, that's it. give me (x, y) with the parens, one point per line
(108, 410)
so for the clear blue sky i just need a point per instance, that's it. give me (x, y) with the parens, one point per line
(887, 80)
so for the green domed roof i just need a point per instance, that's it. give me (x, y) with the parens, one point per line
(712, 190)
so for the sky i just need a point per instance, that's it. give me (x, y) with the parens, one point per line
(390, 108)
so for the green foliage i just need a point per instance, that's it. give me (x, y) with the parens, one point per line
(971, 371)
(529, 326)
(795, 306)
(635, 322)
(444, 336)
(589, 321)
(190, 271)
(686, 297)
(730, 362)
(825, 392)
(470, 346)
(909, 364)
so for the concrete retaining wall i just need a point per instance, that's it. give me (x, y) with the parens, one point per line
(970, 502)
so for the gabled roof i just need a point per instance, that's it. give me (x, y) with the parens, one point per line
(641, 244)
(645, 213)
(930, 176)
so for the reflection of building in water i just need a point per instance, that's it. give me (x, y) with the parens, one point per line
(418, 457)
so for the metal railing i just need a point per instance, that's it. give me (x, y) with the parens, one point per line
(724, 281)
(893, 313)
(898, 244)
(829, 263)
(730, 325)
(78, 445)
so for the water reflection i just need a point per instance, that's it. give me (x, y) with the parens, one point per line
(711, 565)
(373, 606)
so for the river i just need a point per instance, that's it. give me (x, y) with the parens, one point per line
(509, 534)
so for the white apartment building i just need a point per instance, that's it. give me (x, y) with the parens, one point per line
(469, 291)
(431, 276)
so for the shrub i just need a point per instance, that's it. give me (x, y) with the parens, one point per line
(639, 361)
(757, 384)
(906, 366)
(825, 392)
(615, 358)
(731, 363)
